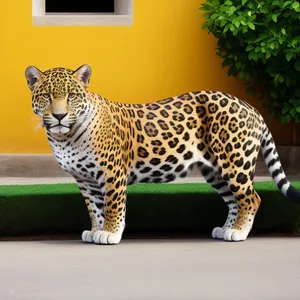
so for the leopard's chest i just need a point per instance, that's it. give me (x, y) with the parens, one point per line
(79, 162)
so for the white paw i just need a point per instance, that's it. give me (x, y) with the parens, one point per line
(107, 238)
(218, 233)
(235, 235)
(87, 236)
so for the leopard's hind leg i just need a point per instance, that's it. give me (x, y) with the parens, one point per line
(238, 171)
(248, 204)
(213, 177)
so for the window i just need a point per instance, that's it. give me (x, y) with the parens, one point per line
(86, 6)
(87, 12)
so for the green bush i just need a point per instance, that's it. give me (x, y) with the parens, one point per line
(260, 41)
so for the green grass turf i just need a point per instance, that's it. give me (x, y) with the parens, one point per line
(189, 207)
(146, 188)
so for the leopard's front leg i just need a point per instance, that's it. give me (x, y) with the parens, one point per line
(114, 210)
(95, 209)
(94, 201)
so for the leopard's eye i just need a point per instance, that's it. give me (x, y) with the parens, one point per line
(46, 96)
(71, 96)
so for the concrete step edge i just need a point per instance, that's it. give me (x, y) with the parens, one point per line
(45, 165)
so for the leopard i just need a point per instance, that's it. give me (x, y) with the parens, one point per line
(108, 145)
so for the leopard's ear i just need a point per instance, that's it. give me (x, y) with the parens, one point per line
(33, 76)
(83, 73)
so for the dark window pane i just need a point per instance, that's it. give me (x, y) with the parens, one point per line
(85, 6)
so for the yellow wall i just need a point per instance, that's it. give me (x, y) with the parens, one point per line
(164, 53)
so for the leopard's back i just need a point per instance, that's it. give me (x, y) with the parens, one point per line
(200, 128)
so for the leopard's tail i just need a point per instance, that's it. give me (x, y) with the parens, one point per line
(275, 168)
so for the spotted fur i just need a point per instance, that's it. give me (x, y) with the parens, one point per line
(107, 145)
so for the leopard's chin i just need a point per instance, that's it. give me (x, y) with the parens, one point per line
(59, 129)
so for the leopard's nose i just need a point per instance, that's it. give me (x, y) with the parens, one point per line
(59, 116)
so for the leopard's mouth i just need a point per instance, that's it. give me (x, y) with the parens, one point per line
(48, 126)
(58, 128)
(59, 125)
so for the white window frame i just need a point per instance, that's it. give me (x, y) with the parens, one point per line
(123, 16)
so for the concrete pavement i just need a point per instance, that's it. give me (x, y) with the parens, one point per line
(151, 269)
(54, 180)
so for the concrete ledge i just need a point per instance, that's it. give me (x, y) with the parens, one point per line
(180, 208)
(45, 165)
(30, 165)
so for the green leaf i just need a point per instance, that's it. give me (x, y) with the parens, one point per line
(226, 28)
(281, 40)
(276, 3)
(295, 102)
(295, 40)
(232, 9)
(276, 45)
(261, 37)
(293, 112)
(214, 16)
(207, 6)
(235, 32)
(295, 5)
(289, 56)
(244, 2)
(206, 15)
(297, 65)
(274, 18)
(281, 79)
(285, 109)
(222, 23)
(257, 49)
(298, 109)
(249, 48)
(205, 25)
(251, 26)
(286, 3)
(253, 56)
(283, 31)
(278, 79)
(226, 63)
(245, 29)
(297, 119)
(237, 23)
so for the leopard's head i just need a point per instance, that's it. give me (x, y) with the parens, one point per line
(59, 96)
